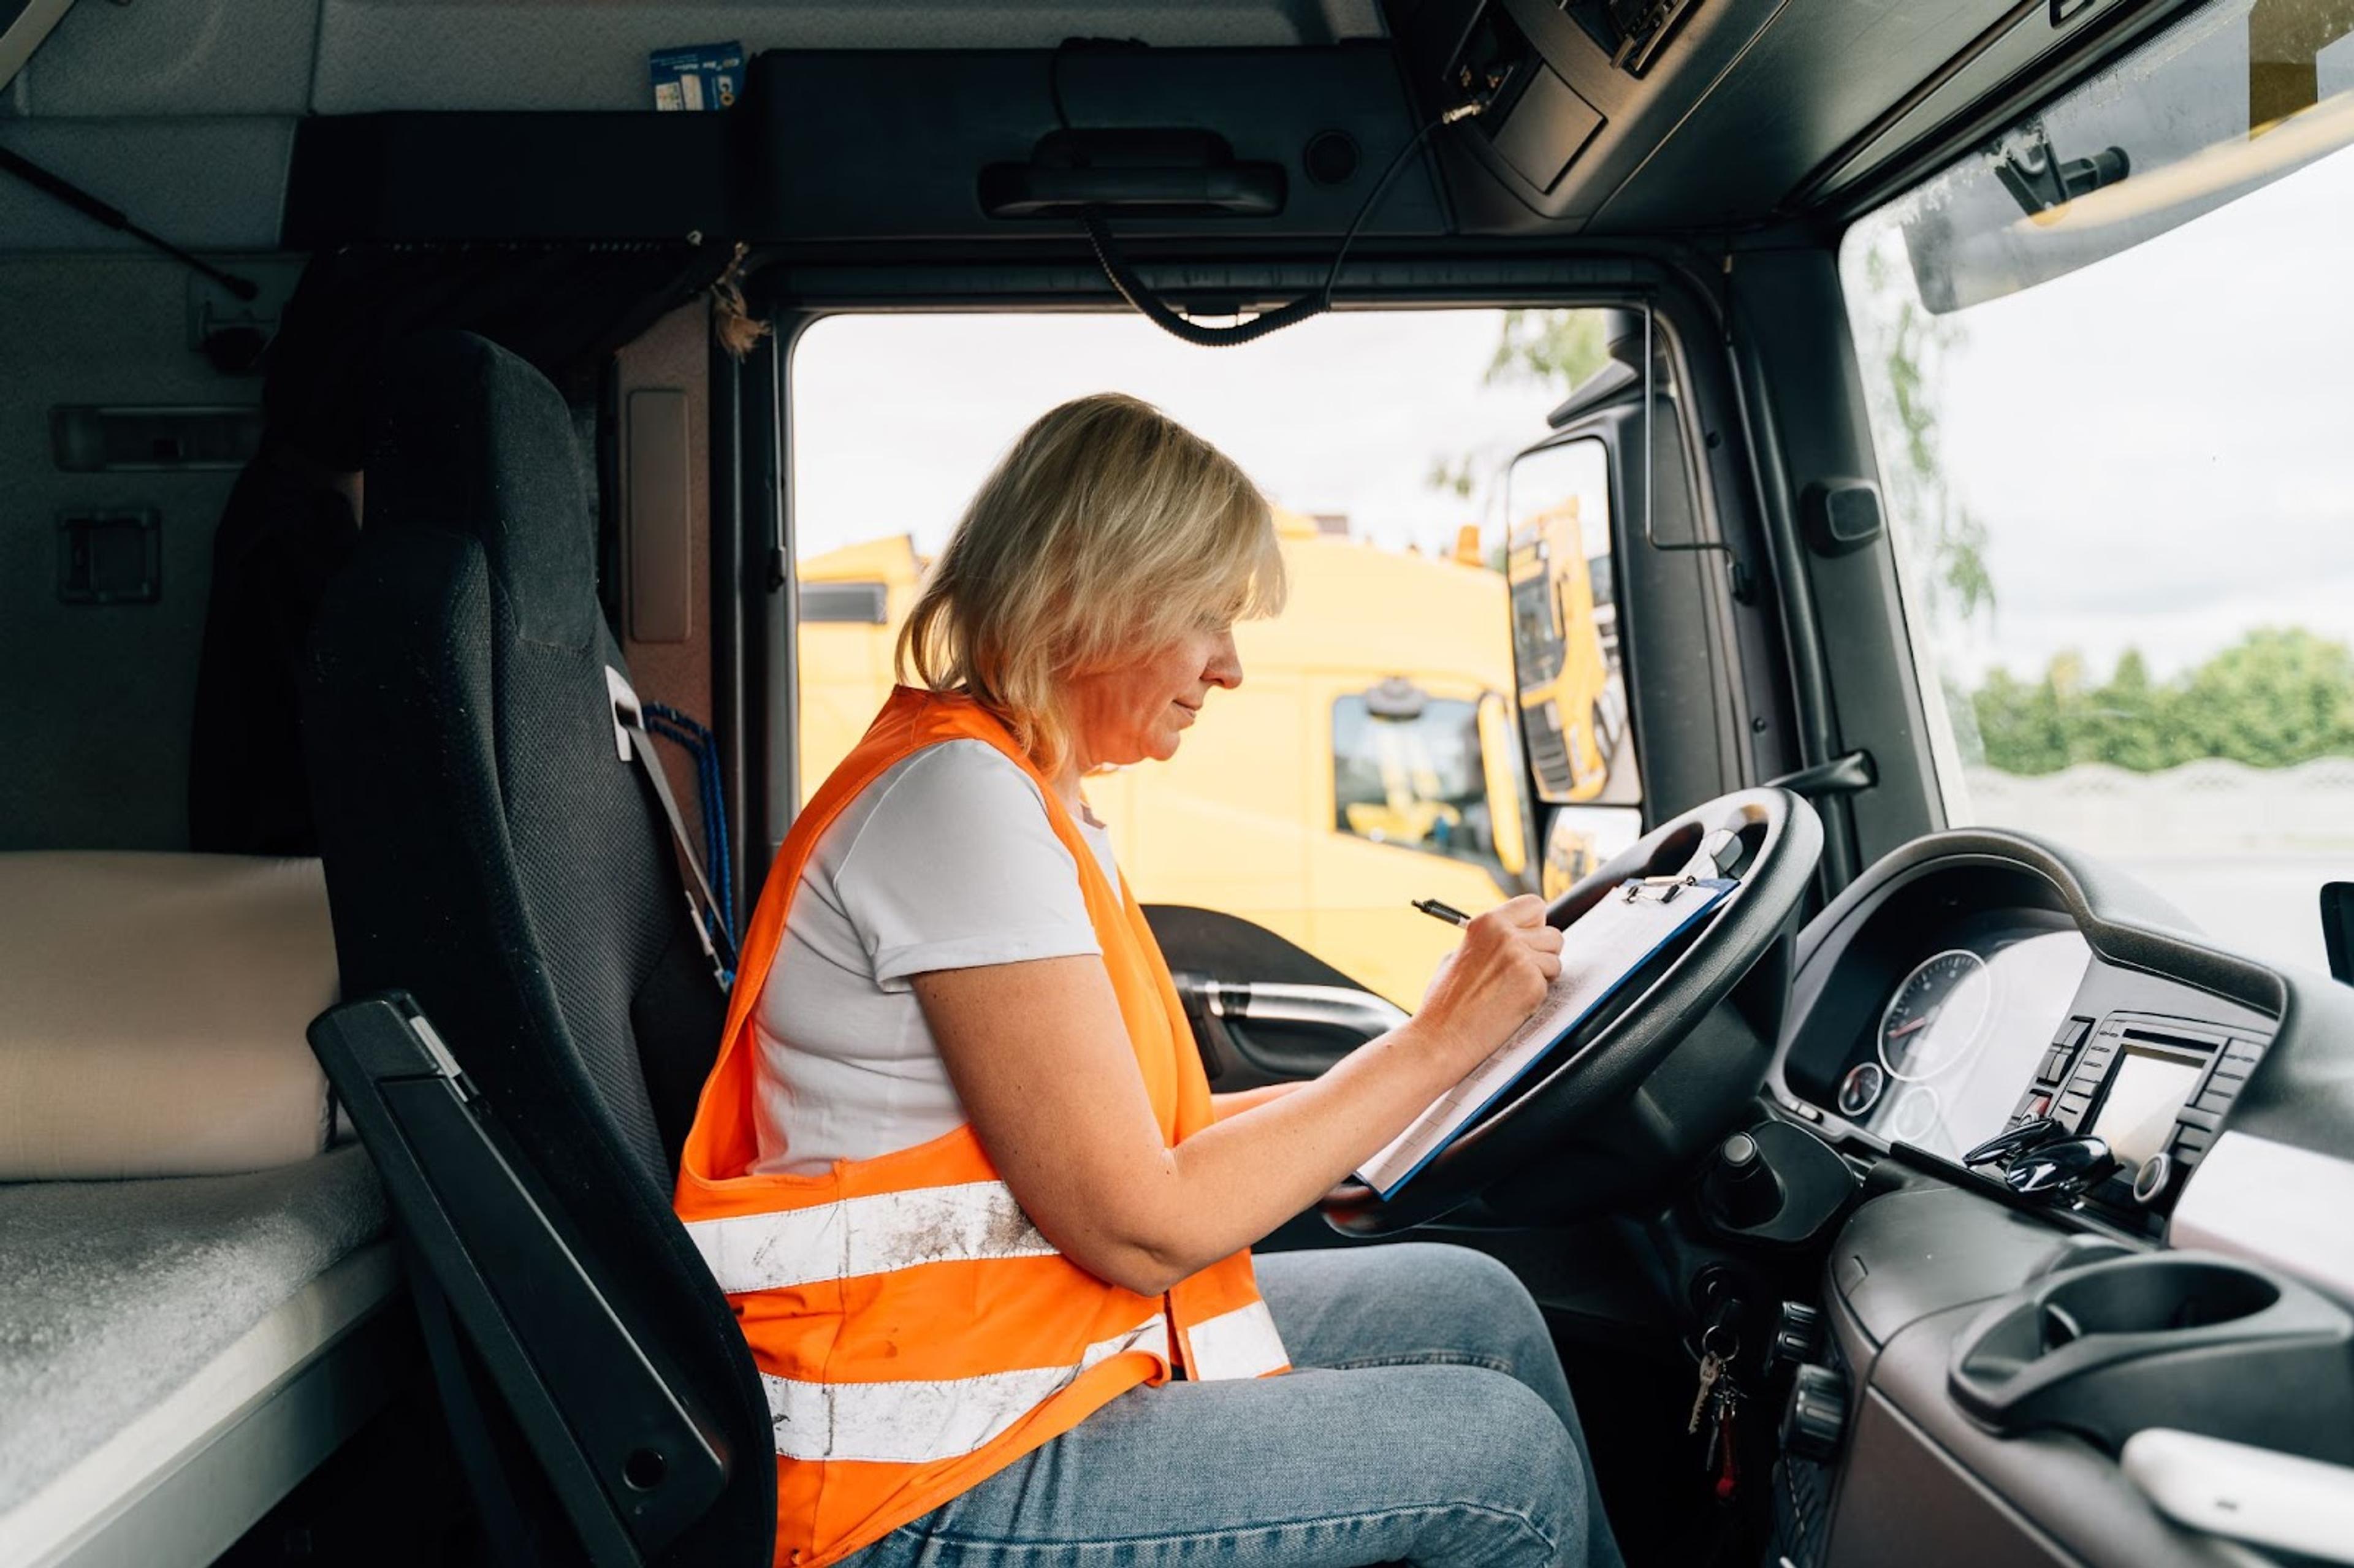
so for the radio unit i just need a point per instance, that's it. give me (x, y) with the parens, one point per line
(2153, 1089)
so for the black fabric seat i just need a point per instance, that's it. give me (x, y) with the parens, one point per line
(488, 852)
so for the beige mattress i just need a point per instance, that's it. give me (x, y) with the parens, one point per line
(172, 1345)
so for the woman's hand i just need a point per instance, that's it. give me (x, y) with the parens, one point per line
(1039, 1054)
(1485, 988)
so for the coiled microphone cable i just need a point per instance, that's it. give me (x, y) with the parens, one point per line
(1315, 302)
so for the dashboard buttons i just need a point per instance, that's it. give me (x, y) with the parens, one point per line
(1815, 1418)
(1860, 1089)
(2156, 1175)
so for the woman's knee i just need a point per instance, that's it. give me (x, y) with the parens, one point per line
(1494, 1443)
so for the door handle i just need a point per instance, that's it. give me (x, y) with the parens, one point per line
(1847, 774)
(1210, 1005)
(1338, 1007)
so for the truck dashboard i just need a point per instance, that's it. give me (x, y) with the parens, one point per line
(1999, 1323)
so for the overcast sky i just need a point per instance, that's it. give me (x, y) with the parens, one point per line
(2160, 446)
(898, 418)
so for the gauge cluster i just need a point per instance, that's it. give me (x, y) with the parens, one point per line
(1962, 1003)
(1958, 1034)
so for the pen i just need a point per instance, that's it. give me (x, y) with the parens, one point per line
(1437, 911)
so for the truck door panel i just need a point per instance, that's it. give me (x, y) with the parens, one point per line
(1263, 1009)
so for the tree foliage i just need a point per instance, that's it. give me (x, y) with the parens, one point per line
(1910, 344)
(2277, 697)
(1552, 348)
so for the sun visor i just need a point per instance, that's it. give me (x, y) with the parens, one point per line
(2233, 99)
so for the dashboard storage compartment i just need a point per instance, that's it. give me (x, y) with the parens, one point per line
(2183, 1340)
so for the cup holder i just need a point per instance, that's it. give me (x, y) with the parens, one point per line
(2164, 1295)
(2199, 1343)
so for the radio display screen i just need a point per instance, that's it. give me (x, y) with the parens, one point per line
(2147, 1089)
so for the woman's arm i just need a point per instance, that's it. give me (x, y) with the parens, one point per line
(1040, 1056)
(1226, 1105)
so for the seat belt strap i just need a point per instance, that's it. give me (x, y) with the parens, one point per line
(632, 744)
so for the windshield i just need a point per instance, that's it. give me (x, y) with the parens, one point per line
(2110, 365)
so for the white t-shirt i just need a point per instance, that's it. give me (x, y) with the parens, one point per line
(946, 861)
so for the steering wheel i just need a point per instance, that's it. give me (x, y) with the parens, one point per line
(1767, 840)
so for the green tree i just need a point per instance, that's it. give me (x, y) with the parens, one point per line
(1557, 349)
(2277, 697)
(2281, 695)
(2128, 724)
(2020, 724)
(1910, 345)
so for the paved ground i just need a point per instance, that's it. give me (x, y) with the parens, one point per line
(2267, 904)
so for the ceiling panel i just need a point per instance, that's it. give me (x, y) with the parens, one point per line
(1816, 78)
(467, 54)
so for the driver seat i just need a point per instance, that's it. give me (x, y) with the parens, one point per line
(543, 1011)
(536, 1014)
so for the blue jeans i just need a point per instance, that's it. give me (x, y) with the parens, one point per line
(1428, 1422)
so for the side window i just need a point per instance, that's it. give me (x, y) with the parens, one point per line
(1408, 769)
(1374, 753)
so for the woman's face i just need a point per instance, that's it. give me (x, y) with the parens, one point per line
(1142, 709)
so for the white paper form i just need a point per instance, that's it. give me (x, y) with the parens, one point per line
(1600, 948)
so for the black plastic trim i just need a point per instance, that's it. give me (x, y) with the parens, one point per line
(629, 1464)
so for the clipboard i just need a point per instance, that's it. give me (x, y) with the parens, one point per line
(1600, 950)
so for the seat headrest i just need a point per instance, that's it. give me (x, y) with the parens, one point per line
(467, 438)
(152, 1009)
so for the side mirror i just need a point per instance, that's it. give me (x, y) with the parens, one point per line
(1578, 839)
(1565, 656)
(2337, 928)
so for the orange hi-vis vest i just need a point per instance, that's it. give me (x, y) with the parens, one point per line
(914, 1331)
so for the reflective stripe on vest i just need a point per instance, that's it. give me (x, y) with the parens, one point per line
(913, 1332)
(922, 1421)
(1236, 1344)
(874, 1235)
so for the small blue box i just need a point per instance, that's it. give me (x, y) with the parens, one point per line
(696, 77)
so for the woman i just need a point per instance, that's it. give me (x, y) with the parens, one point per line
(958, 1167)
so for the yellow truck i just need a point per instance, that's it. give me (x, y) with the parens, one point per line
(1565, 622)
(1370, 756)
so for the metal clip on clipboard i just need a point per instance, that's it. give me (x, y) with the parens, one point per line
(1657, 889)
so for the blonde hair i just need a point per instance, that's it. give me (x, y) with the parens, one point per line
(1107, 531)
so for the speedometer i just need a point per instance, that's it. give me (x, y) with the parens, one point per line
(1933, 1022)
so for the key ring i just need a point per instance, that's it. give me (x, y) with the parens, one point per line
(1727, 1353)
